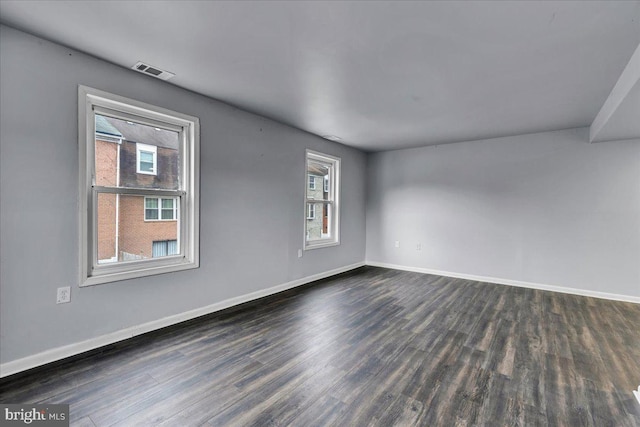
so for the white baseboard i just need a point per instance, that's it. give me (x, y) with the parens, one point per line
(58, 353)
(564, 290)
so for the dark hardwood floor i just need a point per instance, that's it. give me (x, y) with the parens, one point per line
(369, 347)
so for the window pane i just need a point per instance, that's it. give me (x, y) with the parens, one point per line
(146, 167)
(146, 157)
(151, 203)
(124, 235)
(318, 224)
(151, 208)
(168, 209)
(151, 214)
(117, 158)
(318, 172)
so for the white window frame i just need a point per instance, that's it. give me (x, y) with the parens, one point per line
(92, 101)
(325, 183)
(333, 200)
(159, 209)
(312, 182)
(149, 149)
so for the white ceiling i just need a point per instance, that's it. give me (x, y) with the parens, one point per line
(380, 75)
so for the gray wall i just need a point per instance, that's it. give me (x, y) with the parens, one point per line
(547, 208)
(252, 202)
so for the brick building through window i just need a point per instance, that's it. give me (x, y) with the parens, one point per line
(136, 155)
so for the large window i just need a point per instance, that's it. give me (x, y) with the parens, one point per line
(322, 214)
(139, 188)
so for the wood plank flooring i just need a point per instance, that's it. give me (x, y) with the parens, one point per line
(368, 347)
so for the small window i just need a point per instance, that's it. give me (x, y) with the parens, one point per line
(322, 204)
(133, 224)
(160, 209)
(165, 248)
(311, 211)
(147, 158)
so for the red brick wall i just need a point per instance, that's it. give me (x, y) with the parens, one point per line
(136, 234)
(106, 169)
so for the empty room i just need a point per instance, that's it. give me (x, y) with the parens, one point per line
(319, 213)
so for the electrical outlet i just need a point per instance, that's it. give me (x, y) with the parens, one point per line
(418, 247)
(64, 295)
(397, 243)
(299, 253)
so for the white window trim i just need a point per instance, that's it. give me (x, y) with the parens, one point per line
(312, 182)
(159, 209)
(149, 149)
(333, 202)
(91, 101)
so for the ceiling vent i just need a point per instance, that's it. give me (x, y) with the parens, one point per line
(153, 71)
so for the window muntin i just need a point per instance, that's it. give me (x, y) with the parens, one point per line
(147, 158)
(125, 208)
(322, 201)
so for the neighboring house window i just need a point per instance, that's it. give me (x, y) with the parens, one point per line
(118, 240)
(164, 248)
(322, 219)
(156, 208)
(311, 211)
(147, 159)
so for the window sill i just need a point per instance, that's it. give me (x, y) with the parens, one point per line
(143, 271)
(319, 244)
